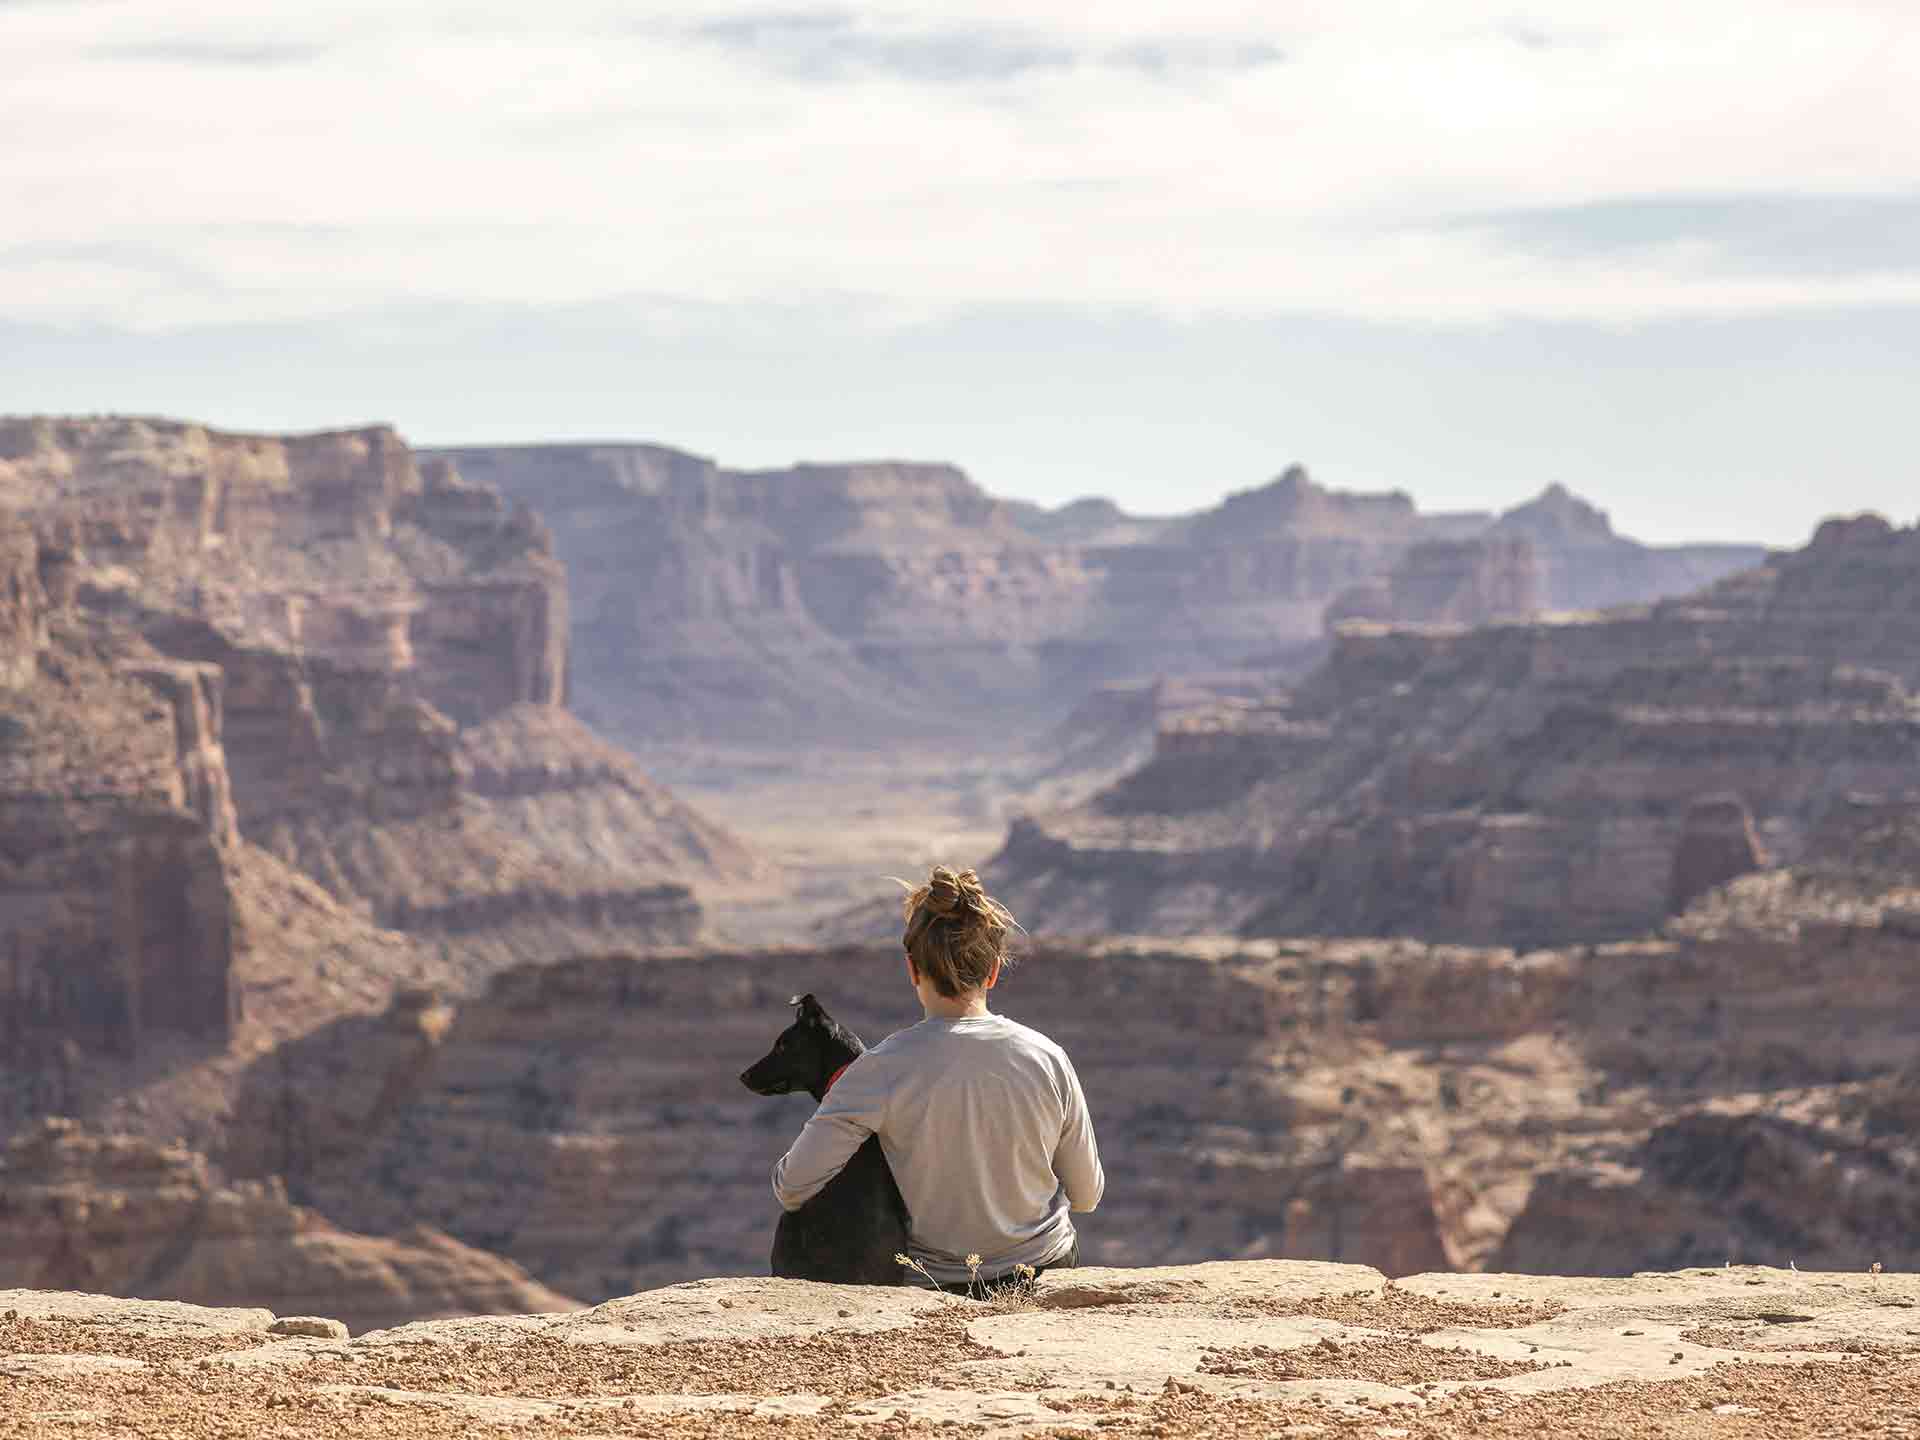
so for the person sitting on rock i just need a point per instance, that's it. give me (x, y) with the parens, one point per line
(982, 1120)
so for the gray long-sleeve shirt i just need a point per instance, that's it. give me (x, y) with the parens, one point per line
(986, 1129)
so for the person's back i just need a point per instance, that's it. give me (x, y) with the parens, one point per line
(982, 1119)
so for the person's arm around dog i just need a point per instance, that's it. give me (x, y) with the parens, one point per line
(851, 1111)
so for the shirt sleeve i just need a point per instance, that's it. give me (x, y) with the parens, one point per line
(1076, 1160)
(851, 1112)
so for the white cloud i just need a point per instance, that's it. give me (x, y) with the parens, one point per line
(167, 165)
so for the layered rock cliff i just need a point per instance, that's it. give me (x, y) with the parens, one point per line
(802, 605)
(1523, 782)
(564, 1121)
(115, 825)
(1394, 1103)
(118, 1215)
(23, 601)
(297, 960)
(1594, 1109)
(890, 603)
(1586, 565)
(1457, 582)
(333, 545)
(329, 621)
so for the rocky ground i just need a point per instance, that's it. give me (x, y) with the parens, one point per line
(1230, 1348)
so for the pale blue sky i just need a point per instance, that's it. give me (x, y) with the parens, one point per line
(1667, 255)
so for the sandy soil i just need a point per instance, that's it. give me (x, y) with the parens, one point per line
(1176, 1346)
(1878, 1396)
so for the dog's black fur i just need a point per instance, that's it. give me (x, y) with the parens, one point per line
(849, 1232)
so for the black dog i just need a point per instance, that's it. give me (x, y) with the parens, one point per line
(849, 1232)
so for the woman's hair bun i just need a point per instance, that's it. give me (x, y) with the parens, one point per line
(956, 932)
(953, 895)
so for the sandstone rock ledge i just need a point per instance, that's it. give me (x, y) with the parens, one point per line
(1229, 1348)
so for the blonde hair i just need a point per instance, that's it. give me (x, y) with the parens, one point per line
(956, 932)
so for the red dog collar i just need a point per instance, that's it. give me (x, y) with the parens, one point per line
(833, 1078)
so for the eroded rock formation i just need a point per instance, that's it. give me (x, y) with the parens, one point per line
(299, 960)
(1709, 1185)
(118, 1215)
(115, 821)
(23, 602)
(836, 604)
(1717, 844)
(1458, 582)
(1586, 565)
(1400, 1104)
(326, 620)
(374, 792)
(335, 545)
(1525, 782)
(597, 1147)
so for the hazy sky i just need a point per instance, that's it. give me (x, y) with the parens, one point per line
(1668, 254)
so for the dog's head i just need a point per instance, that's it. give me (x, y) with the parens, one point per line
(806, 1054)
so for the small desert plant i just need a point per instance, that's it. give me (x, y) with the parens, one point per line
(1017, 1294)
(906, 1261)
(1013, 1294)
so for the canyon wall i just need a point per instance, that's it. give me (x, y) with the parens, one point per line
(1586, 565)
(1453, 582)
(23, 602)
(332, 626)
(891, 602)
(116, 818)
(1524, 782)
(1409, 1105)
(817, 603)
(119, 1215)
(569, 1121)
(372, 790)
(1388, 1102)
(335, 545)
